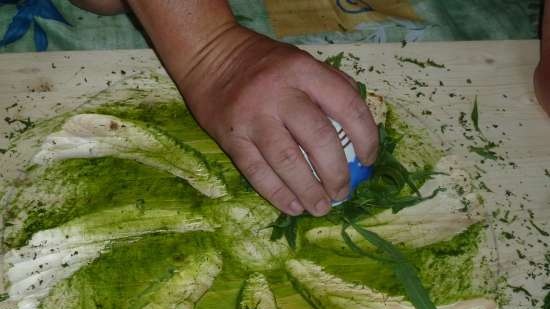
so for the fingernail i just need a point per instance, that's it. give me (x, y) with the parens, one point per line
(372, 157)
(296, 207)
(322, 207)
(342, 194)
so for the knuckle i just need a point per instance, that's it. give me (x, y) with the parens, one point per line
(255, 170)
(357, 111)
(300, 59)
(279, 195)
(363, 114)
(287, 158)
(323, 133)
(311, 190)
(340, 180)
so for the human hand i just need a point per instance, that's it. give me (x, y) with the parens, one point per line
(260, 99)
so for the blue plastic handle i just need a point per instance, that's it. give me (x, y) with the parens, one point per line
(358, 174)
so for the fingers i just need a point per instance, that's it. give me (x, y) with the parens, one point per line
(314, 132)
(340, 100)
(345, 75)
(284, 156)
(264, 180)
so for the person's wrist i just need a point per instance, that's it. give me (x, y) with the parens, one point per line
(228, 57)
(208, 62)
(186, 34)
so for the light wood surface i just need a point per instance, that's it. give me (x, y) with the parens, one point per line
(499, 73)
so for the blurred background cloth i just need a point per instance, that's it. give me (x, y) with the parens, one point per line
(30, 25)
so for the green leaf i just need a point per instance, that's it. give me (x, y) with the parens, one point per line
(410, 201)
(277, 233)
(279, 226)
(362, 90)
(286, 226)
(349, 242)
(475, 116)
(291, 232)
(404, 271)
(484, 151)
(335, 61)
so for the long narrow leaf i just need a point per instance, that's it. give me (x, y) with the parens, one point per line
(410, 201)
(362, 90)
(349, 242)
(475, 116)
(404, 271)
(291, 233)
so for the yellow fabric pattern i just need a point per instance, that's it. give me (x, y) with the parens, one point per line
(299, 17)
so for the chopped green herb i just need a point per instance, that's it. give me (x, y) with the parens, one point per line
(352, 56)
(411, 60)
(546, 172)
(403, 43)
(420, 84)
(462, 119)
(541, 231)
(432, 63)
(475, 116)
(485, 151)
(508, 235)
(520, 255)
(362, 90)
(518, 289)
(27, 123)
(285, 226)
(4, 296)
(335, 61)
(483, 186)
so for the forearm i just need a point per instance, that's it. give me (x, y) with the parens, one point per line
(542, 73)
(185, 32)
(545, 36)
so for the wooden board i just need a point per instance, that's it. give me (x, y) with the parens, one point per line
(499, 73)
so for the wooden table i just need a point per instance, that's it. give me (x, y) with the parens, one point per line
(499, 73)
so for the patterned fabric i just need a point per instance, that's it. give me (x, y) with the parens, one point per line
(27, 14)
(29, 25)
